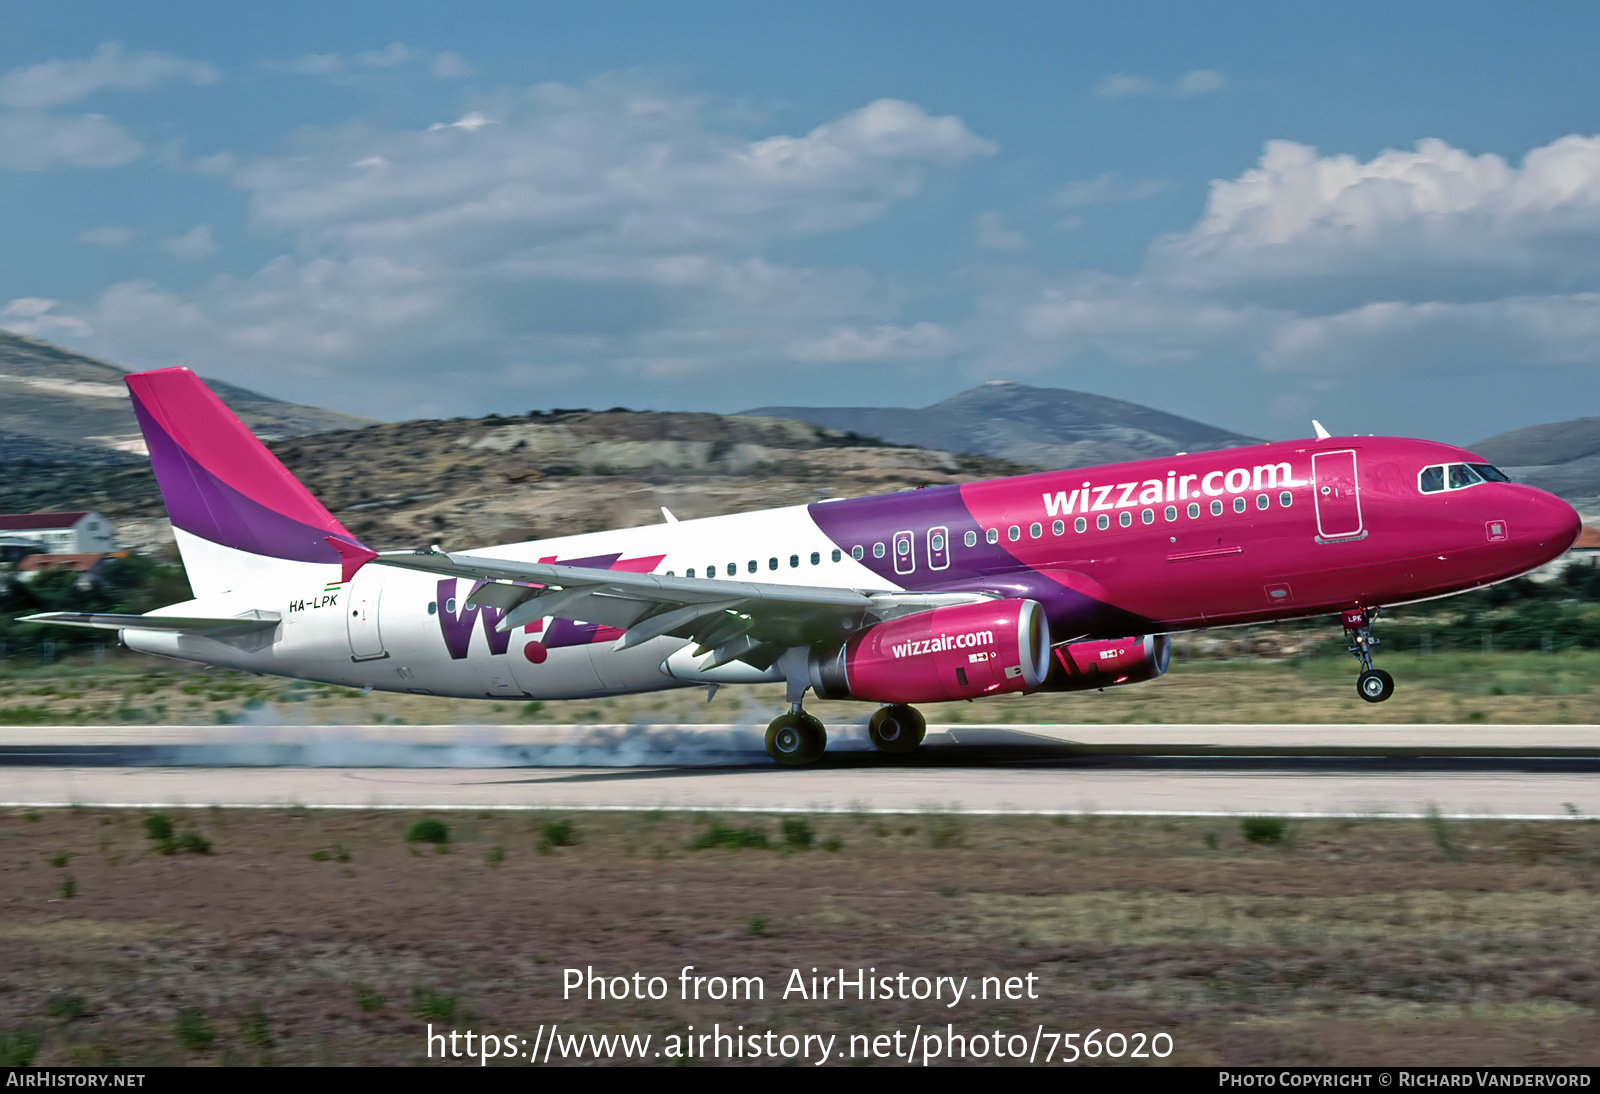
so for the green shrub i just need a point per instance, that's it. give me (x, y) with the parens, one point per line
(66, 1006)
(194, 843)
(18, 1049)
(255, 1029)
(797, 833)
(717, 835)
(558, 834)
(192, 1029)
(427, 1003)
(1264, 829)
(368, 999)
(429, 830)
(945, 831)
(157, 827)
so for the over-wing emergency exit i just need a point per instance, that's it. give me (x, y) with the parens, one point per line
(1061, 581)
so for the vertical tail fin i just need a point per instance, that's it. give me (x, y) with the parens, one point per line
(221, 485)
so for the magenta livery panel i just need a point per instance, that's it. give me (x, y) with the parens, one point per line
(1061, 581)
(219, 482)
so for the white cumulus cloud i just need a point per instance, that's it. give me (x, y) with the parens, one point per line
(612, 229)
(110, 67)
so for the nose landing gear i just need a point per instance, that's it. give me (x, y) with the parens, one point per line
(1373, 685)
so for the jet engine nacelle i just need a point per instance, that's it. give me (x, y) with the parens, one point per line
(1080, 666)
(961, 652)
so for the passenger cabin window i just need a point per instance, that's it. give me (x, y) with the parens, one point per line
(970, 539)
(1014, 533)
(837, 554)
(1080, 525)
(1285, 498)
(1238, 505)
(1058, 528)
(877, 550)
(1194, 510)
(772, 563)
(1125, 518)
(794, 561)
(1102, 522)
(857, 553)
(816, 557)
(689, 572)
(1216, 508)
(753, 566)
(992, 535)
(1035, 530)
(1148, 516)
(1171, 513)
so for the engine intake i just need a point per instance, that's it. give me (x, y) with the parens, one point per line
(961, 652)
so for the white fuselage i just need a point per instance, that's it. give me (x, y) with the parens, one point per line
(400, 630)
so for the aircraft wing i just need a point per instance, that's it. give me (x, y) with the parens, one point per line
(246, 624)
(730, 620)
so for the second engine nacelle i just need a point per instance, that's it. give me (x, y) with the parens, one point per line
(960, 652)
(1081, 666)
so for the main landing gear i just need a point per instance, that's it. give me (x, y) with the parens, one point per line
(897, 729)
(797, 738)
(1373, 685)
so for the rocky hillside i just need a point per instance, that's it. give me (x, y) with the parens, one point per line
(1048, 427)
(468, 482)
(1563, 457)
(61, 406)
(472, 482)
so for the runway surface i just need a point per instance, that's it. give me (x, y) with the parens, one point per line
(1285, 770)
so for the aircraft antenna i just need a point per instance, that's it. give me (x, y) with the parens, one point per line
(1322, 434)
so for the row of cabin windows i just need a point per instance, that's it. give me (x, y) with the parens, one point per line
(1125, 519)
(1014, 533)
(1081, 524)
(753, 566)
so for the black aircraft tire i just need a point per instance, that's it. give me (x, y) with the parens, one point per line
(796, 739)
(1375, 686)
(897, 730)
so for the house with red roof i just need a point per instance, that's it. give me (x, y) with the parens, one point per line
(59, 533)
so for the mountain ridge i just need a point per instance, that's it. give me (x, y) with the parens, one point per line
(1046, 427)
(61, 405)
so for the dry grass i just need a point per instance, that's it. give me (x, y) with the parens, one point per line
(327, 938)
(1507, 688)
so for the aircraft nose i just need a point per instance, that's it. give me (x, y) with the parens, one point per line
(1549, 523)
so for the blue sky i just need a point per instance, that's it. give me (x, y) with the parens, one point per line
(1384, 216)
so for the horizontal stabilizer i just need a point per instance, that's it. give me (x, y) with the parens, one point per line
(255, 621)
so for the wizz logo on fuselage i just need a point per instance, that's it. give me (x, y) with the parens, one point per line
(456, 626)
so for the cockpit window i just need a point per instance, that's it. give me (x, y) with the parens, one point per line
(1457, 476)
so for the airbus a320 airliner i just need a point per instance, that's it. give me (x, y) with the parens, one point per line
(1061, 581)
